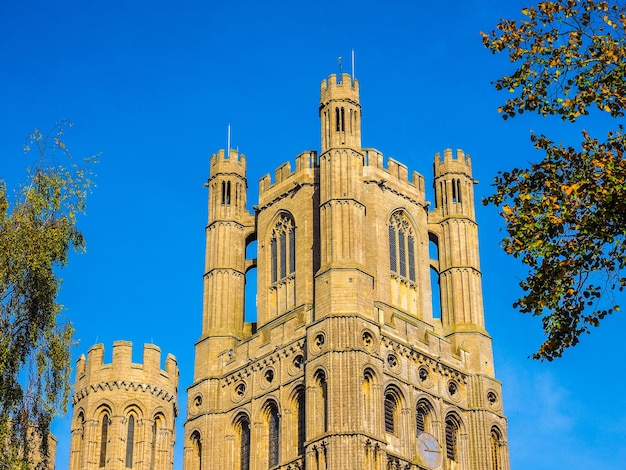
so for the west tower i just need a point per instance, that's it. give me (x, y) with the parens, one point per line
(347, 366)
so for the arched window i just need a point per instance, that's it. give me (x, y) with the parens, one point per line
(244, 444)
(226, 193)
(196, 451)
(322, 401)
(343, 120)
(401, 246)
(452, 434)
(391, 405)
(496, 445)
(78, 440)
(273, 435)
(301, 422)
(368, 399)
(283, 249)
(157, 424)
(130, 441)
(423, 413)
(104, 437)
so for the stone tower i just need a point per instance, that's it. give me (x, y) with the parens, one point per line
(349, 366)
(124, 412)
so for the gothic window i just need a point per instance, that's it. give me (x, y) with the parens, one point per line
(244, 443)
(391, 403)
(196, 451)
(81, 429)
(496, 443)
(321, 409)
(401, 247)
(301, 422)
(337, 119)
(283, 249)
(368, 397)
(157, 424)
(273, 435)
(452, 431)
(130, 441)
(104, 431)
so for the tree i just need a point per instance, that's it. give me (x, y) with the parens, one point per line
(37, 232)
(566, 215)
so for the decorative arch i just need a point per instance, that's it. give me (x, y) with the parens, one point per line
(103, 405)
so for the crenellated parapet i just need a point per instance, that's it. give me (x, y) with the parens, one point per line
(452, 163)
(233, 163)
(124, 412)
(94, 376)
(395, 177)
(339, 87)
(93, 369)
(287, 180)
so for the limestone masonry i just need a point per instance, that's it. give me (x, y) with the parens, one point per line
(350, 364)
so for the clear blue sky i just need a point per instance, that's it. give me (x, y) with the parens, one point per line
(153, 87)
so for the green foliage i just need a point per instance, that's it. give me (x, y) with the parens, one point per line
(37, 231)
(566, 215)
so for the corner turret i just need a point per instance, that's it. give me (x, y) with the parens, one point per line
(340, 113)
(124, 413)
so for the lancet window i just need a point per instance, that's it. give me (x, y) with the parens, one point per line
(104, 437)
(244, 444)
(273, 435)
(130, 440)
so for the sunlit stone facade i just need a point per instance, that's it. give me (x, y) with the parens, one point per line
(350, 364)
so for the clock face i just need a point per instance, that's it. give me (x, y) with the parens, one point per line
(429, 452)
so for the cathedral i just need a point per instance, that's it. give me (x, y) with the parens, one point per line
(369, 350)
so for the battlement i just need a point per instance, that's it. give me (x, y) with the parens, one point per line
(305, 161)
(450, 163)
(344, 88)
(234, 162)
(395, 170)
(93, 369)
